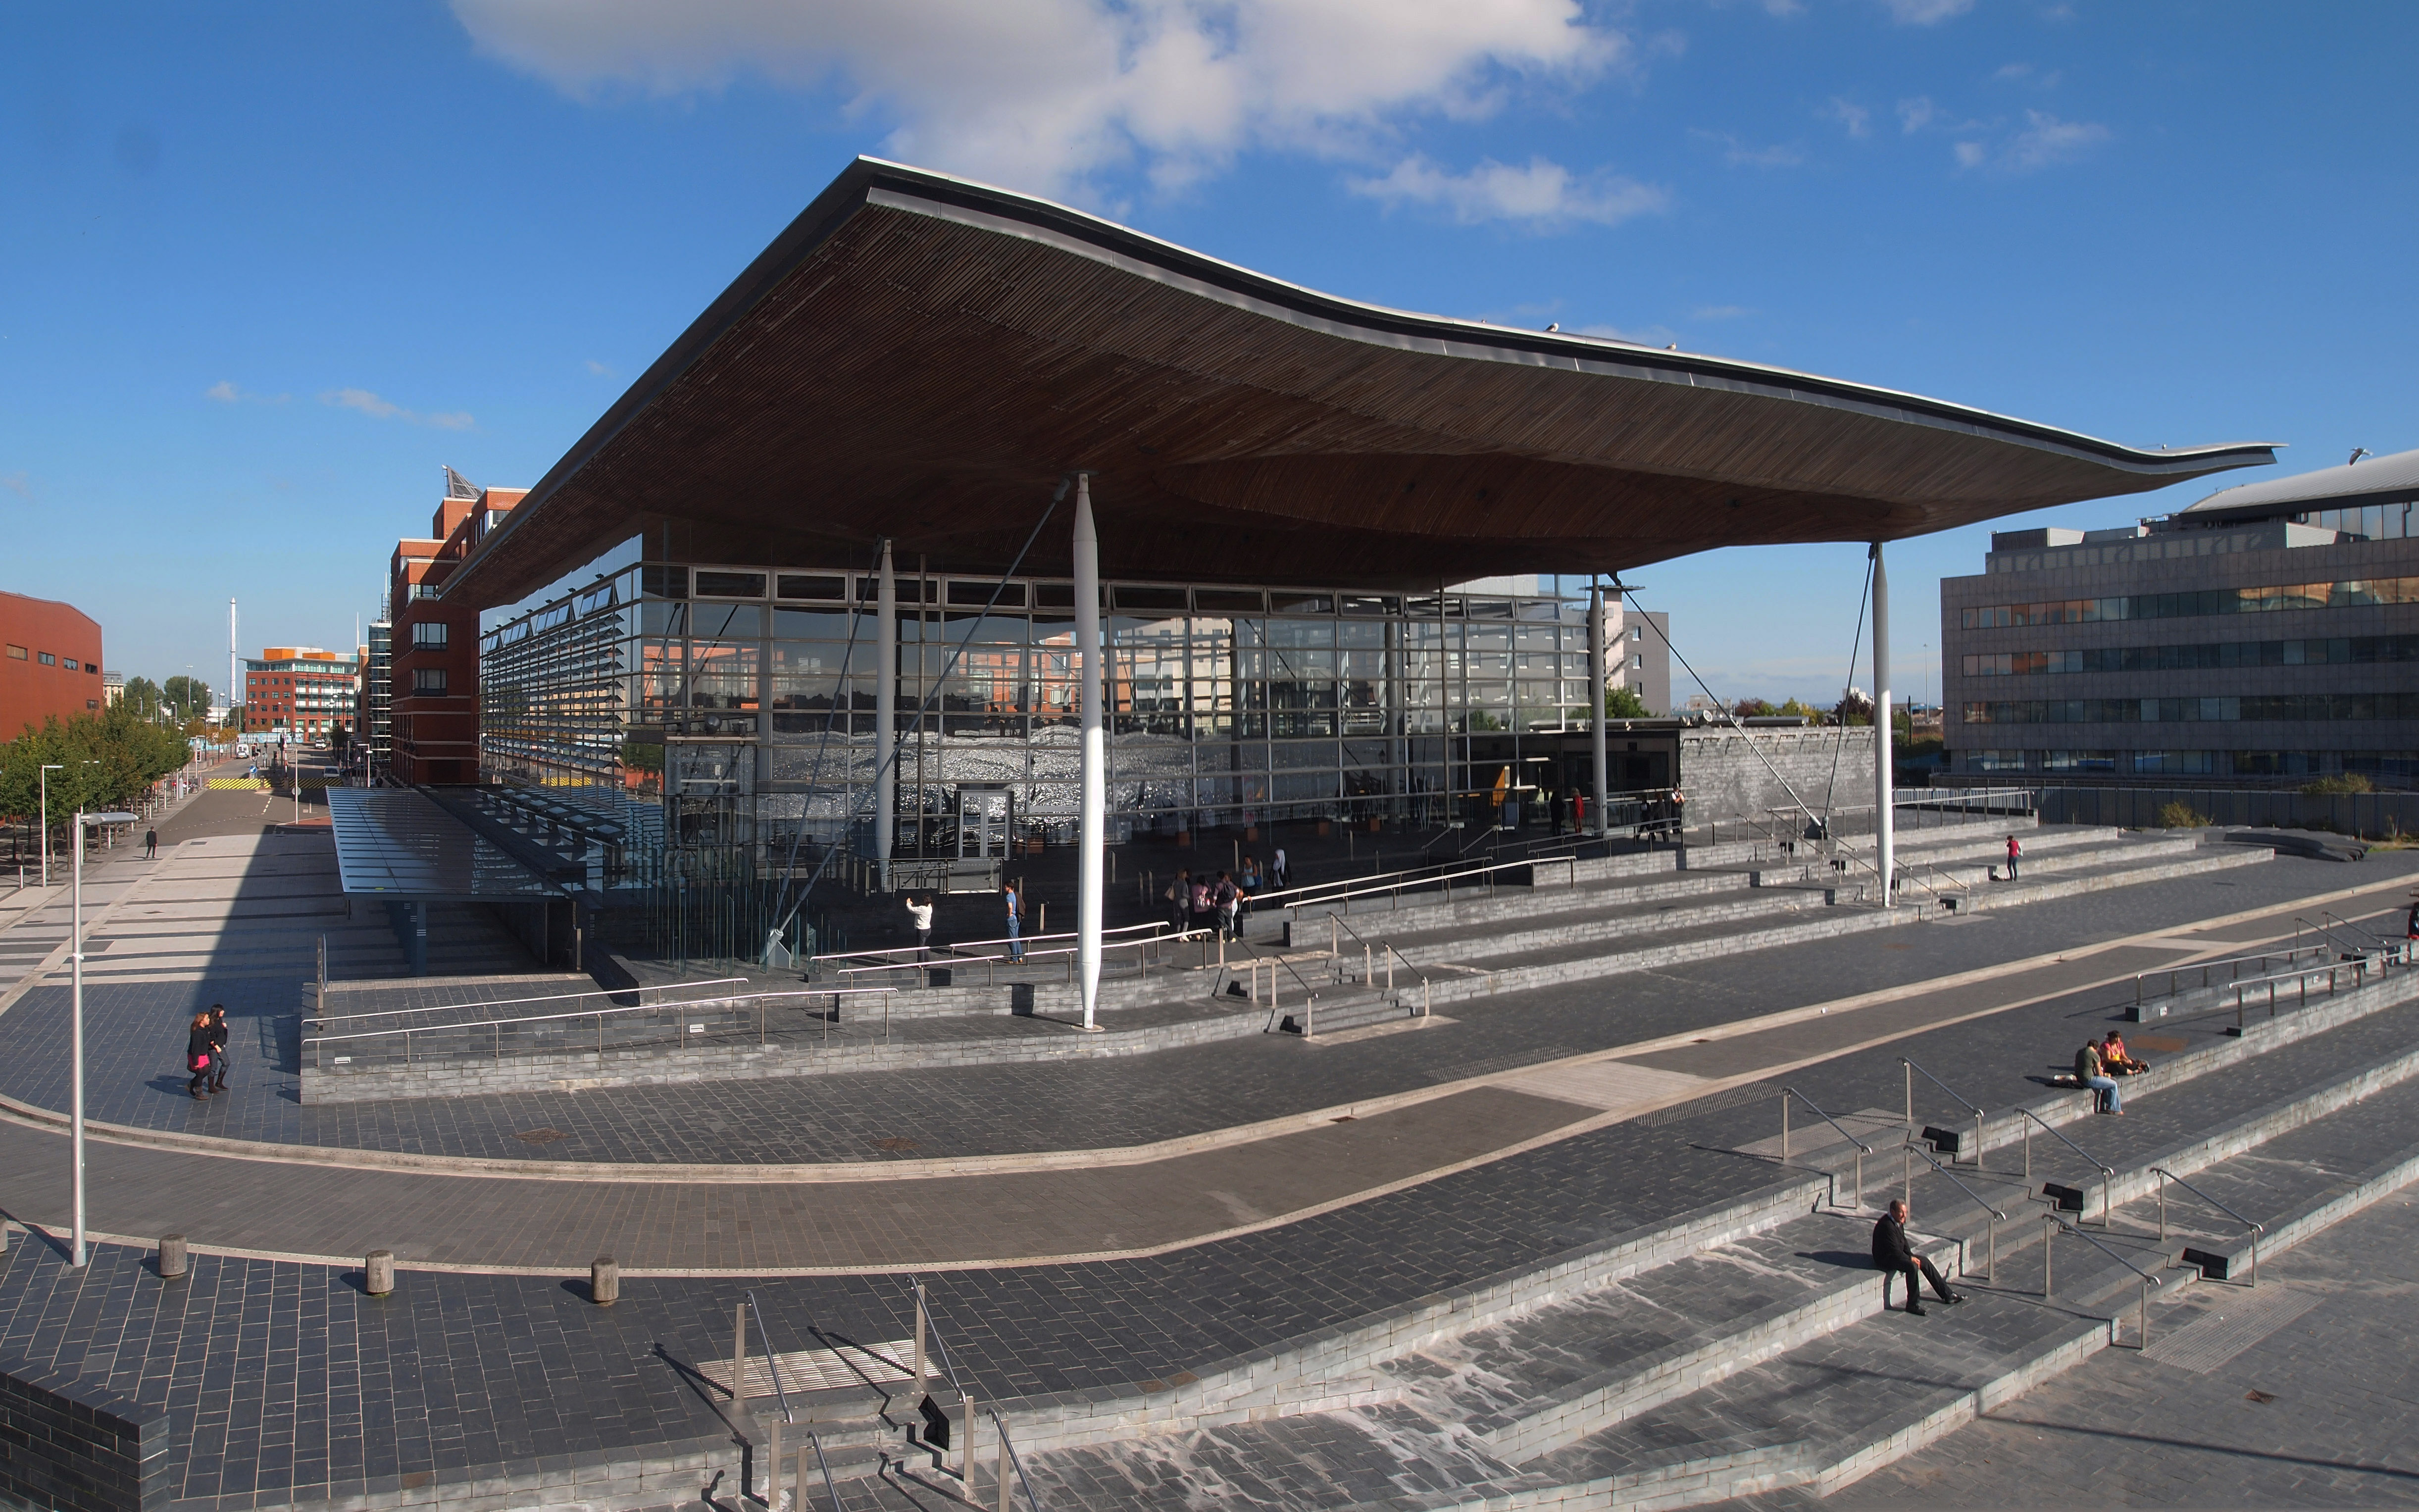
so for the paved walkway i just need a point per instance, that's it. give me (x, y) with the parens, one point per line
(1995, 1031)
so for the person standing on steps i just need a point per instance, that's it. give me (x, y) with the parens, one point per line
(218, 1047)
(921, 914)
(1015, 920)
(1894, 1257)
(197, 1056)
(1179, 898)
(2015, 853)
(151, 845)
(1280, 875)
(1229, 902)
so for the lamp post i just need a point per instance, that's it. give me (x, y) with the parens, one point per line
(48, 767)
(75, 995)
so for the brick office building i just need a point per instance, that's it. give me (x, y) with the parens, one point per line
(298, 693)
(50, 662)
(433, 666)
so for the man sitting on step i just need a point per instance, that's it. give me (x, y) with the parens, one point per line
(1893, 1257)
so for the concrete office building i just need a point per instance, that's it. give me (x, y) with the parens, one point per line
(1195, 528)
(2269, 633)
(50, 663)
(298, 693)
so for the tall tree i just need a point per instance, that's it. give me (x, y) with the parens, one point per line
(188, 698)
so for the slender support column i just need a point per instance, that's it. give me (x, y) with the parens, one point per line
(1597, 657)
(75, 954)
(1087, 641)
(886, 718)
(1884, 821)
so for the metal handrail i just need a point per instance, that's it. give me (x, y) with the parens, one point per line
(1788, 1092)
(2321, 931)
(2360, 963)
(508, 1002)
(772, 1361)
(1015, 1460)
(2255, 1229)
(1990, 1229)
(598, 1013)
(823, 1465)
(2206, 967)
(1389, 946)
(2107, 1172)
(2148, 1280)
(1910, 1146)
(1955, 1095)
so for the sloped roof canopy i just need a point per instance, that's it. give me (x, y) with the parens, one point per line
(923, 357)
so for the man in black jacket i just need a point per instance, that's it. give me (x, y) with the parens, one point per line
(1894, 1257)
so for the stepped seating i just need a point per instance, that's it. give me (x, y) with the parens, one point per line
(1744, 1351)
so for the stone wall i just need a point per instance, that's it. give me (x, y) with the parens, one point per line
(1730, 774)
(74, 1447)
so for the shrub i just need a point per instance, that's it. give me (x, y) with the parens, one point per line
(2329, 786)
(2179, 815)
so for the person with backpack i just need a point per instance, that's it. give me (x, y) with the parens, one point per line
(1229, 902)
(1179, 898)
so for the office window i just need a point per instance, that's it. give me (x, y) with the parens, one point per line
(46, 658)
(16, 653)
(428, 680)
(429, 637)
(71, 666)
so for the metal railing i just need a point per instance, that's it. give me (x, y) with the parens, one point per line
(736, 1004)
(774, 1466)
(514, 1002)
(2052, 1225)
(2357, 969)
(2254, 1229)
(1856, 1193)
(1370, 954)
(2107, 1172)
(1990, 1226)
(2206, 968)
(1009, 1460)
(1955, 1096)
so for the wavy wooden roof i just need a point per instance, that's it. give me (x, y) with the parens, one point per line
(924, 357)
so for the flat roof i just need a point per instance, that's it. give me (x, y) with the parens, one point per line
(398, 843)
(923, 357)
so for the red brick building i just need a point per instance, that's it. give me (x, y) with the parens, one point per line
(300, 692)
(50, 662)
(435, 666)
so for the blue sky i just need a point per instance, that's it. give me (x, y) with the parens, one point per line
(264, 268)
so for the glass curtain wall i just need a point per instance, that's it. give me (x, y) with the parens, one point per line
(734, 709)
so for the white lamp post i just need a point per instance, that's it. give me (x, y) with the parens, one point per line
(75, 937)
(47, 770)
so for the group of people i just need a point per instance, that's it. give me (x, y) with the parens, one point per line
(2098, 1065)
(206, 1042)
(1204, 902)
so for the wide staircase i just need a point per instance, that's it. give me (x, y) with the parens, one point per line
(1743, 1349)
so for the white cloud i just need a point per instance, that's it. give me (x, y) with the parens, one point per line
(1926, 13)
(2012, 71)
(1047, 94)
(377, 407)
(1970, 154)
(1739, 155)
(225, 391)
(599, 369)
(1855, 117)
(1544, 195)
(1915, 113)
(2045, 140)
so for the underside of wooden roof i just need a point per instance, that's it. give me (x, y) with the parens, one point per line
(922, 358)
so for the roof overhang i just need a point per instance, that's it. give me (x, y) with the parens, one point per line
(921, 358)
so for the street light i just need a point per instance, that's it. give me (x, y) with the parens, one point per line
(75, 937)
(48, 767)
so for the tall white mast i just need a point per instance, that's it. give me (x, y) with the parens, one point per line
(234, 679)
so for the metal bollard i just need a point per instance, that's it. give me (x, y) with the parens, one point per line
(603, 1281)
(2049, 1234)
(379, 1273)
(172, 1257)
(739, 1358)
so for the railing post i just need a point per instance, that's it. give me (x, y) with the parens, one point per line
(1906, 1175)
(1001, 1464)
(919, 1340)
(739, 1361)
(2163, 1206)
(2049, 1233)
(1784, 1128)
(966, 1452)
(1908, 1066)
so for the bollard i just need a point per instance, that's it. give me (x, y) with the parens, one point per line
(1001, 1423)
(603, 1281)
(2049, 1233)
(379, 1273)
(1784, 1128)
(172, 1257)
(966, 1453)
(739, 1358)
(920, 1338)
(773, 1470)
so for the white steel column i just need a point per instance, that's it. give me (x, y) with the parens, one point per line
(1088, 644)
(1884, 822)
(75, 1072)
(1597, 657)
(886, 717)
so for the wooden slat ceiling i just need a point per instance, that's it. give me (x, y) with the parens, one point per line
(923, 359)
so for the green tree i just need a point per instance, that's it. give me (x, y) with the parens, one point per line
(143, 696)
(1621, 703)
(189, 698)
